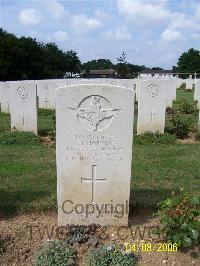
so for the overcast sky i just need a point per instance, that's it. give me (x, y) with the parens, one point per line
(153, 33)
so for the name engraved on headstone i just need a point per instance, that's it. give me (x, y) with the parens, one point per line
(97, 148)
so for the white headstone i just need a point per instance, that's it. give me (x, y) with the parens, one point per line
(189, 83)
(23, 106)
(46, 93)
(179, 81)
(127, 83)
(197, 92)
(4, 97)
(151, 106)
(94, 134)
(61, 83)
(170, 91)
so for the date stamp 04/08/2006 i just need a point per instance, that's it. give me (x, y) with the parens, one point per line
(150, 247)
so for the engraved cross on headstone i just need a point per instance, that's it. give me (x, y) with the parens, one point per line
(152, 115)
(92, 180)
(46, 101)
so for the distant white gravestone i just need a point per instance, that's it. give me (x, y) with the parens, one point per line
(94, 134)
(171, 86)
(46, 93)
(189, 83)
(23, 106)
(151, 106)
(4, 97)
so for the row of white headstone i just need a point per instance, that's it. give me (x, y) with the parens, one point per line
(46, 88)
(94, 136)
(153, 96)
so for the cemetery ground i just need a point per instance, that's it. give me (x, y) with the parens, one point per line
(160, 169)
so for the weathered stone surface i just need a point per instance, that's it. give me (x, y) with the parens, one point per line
(94, 133)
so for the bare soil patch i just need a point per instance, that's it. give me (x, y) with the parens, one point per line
(190, 140)
(23, 235)
(47, 140)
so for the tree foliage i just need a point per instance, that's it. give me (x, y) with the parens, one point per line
(189, 62)
(97, 64)
(122, 66)
(25, 58)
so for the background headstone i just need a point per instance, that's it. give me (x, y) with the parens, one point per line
(46, 93)
(189, 83)
(170, 92)
(4, 97)
(23, 106)
(197, 92)
(151, 106)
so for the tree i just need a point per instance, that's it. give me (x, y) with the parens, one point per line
(189, 62)
(134, 70)
(8, 51)
(25, 58)
(122, 66)
(72, 62)
(157, 68)
(97, 64)
(30, 59)
(54, 61)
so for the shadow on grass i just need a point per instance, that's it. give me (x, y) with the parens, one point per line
(11, 203)
(143, 202)
(44, 132)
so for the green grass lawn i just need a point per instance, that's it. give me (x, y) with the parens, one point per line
(45, 122)
(158, 170)
(188, 95)
(28, 178)
(28, 175)
(28, 172)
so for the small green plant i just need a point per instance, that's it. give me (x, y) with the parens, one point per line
(3, 115)
(169, 111)
(55, 253)
(186, 107)
(19, 138)
(149, 138)
(109, 255)
(82, 234)
(179, 126)
(52, 133)
(179, 218)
